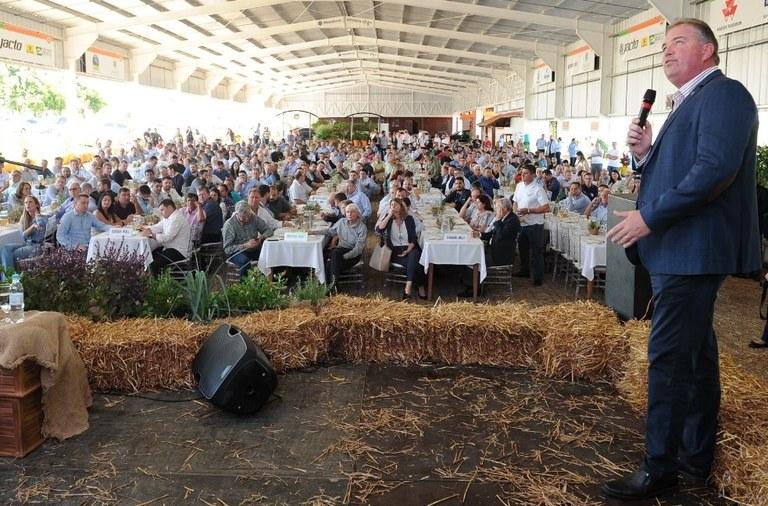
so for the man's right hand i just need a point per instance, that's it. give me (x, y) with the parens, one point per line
(639, 139)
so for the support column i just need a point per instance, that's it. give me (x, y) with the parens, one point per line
(75, 46)
(673, 9)
(180, 75)
(554, 58)
(211, 82)
(235, 85)
(139, 63)
(602, 44)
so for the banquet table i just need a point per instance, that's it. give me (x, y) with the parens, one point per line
(569, 236)
(10, 234)
(437, 250)
(279, 252)
(100, 244)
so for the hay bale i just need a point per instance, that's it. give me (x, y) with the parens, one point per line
(741, 470)
(376, 329)
(581, 340)
(138, 354)
(633, 383)
(505, 335)
(294, 338)
(741, 460)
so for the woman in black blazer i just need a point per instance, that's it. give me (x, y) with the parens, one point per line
(400, 231)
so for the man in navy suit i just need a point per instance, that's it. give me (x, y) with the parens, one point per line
(695, 223)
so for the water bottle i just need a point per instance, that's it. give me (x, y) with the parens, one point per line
(16, 299)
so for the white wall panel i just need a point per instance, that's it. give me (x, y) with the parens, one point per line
(376, 99)
(593, 98)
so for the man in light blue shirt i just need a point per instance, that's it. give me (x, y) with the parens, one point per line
(74, 231)
(572, 147)
(358, 197)
(575, 202)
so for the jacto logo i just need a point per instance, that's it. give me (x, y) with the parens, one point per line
(729, 11)
(11, 44)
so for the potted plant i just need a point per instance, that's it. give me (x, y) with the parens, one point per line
(593, 227)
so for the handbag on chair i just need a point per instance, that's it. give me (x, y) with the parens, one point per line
(381, 256)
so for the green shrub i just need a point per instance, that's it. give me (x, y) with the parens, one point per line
(164, 297)
(310, 290)
(255, 292)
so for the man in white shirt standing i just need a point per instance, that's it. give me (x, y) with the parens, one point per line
(172, 235)
(613, 156)
(530, 204)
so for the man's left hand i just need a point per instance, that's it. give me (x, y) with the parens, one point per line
(629, 230)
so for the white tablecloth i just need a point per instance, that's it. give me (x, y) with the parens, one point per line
(293, 254)
(441, 252)
(570, 236)
(593, 254)
(10, 234)
(101, 243)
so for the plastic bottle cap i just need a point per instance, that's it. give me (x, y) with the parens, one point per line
(15, 277)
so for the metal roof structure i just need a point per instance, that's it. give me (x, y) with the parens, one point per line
(286, 47)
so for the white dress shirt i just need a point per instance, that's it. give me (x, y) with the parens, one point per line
(174, 232)
(528, 196)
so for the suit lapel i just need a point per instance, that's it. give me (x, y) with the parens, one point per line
(686, 103)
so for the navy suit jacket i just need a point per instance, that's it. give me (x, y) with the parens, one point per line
(698, 185)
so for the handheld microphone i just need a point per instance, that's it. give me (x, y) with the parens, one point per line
(648, 99)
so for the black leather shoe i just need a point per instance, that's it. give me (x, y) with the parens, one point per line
(640, 485)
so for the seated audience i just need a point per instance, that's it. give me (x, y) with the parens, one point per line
(172, 235)
(399, 229)
(33, 227)
(347, 243)
(598, 208)
(575, 202)
(243, 234)
(105, 212)
(74, 230)
(213, 220)
(124, 208)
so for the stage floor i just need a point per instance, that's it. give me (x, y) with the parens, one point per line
(367, 434)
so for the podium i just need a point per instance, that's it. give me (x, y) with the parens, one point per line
(627, 287)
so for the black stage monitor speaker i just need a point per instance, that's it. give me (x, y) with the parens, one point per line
(233, 372)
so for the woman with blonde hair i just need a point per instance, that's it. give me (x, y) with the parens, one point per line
(33, 226)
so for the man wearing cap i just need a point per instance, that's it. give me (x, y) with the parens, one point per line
(243, 235)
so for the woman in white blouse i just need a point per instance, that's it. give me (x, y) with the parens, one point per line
(400, 231)
(484, 215)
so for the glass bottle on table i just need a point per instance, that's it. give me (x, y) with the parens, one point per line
(16, 299)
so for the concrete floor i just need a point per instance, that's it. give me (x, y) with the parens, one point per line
(361, 434)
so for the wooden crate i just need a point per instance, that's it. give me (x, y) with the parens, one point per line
(21, 413)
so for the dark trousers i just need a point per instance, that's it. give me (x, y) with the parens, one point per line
(530, 243)
(683, 375)
(244, 258)
(337, 262)
(413, 269)
(765, 332)
(163, 257)
(573, 161)
(597, 169)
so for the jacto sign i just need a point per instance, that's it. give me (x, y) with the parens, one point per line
(22, 44)
(11, 44)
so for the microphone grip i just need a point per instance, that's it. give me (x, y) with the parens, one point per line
(643, 116)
